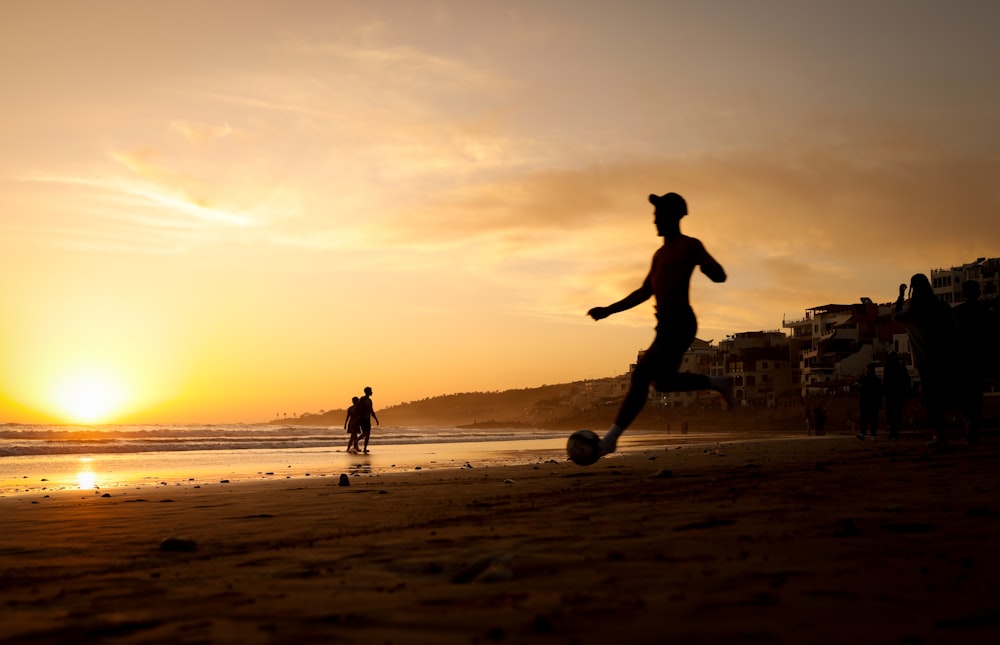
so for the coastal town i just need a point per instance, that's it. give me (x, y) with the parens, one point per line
(822, 353)
(814, 360)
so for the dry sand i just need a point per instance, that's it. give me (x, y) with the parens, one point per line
(818, 540)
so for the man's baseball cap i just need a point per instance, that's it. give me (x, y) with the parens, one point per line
(671, 203)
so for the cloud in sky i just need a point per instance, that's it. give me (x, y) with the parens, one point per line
(432, 194)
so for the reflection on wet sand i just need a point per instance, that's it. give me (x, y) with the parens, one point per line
(86, 478)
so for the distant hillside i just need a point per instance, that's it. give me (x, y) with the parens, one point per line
(530, 406)
(583, 404)
(588, 404)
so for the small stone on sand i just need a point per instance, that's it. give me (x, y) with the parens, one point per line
(178, 545)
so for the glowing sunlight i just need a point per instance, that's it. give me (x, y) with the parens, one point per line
(88, 396)
(86, 478)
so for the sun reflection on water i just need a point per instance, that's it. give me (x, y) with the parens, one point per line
(86, 478)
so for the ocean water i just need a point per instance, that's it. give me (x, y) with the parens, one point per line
(26, 440)
(40, 458)
(37, 459)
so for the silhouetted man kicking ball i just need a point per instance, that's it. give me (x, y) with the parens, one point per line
(669, 282)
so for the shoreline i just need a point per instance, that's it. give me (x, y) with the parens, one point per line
(30, 474)
(802, 539)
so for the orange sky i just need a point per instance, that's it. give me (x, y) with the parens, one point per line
(218, 212)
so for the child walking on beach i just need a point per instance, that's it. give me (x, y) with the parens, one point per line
(353, 425)
(668, 282)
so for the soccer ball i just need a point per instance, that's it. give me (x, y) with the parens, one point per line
(583, 447)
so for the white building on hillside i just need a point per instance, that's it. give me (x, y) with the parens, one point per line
(947, 283)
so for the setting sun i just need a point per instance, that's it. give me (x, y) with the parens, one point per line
(88, 396)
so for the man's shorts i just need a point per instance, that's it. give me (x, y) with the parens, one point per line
(674, 335)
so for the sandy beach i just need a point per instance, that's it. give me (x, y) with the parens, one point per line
(804, 539)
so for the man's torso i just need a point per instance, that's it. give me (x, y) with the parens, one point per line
(670, 274)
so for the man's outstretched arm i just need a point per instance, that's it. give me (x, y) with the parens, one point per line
(637, 297)
(711, 267)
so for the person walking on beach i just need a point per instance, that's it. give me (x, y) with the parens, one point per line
(870, 402)
(365, 413)
(820, 413)
(896, 387)
(668, 282)
(933, 333)
(352, 425)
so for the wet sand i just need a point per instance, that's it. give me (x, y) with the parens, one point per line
(107, 471)
(811, 539)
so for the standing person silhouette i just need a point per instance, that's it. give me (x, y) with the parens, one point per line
(668, 282)
(365, 413)
(933, 333)
(977, 329)
(870, 402)
(352, 425)
(896, 386)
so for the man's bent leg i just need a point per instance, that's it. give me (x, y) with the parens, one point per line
(635, 400)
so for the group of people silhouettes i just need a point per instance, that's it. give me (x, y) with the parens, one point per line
(359, 421)
(954, 350)
(893, 389)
